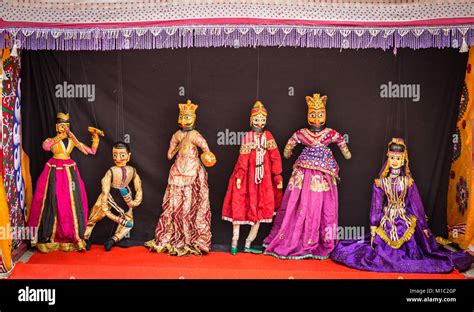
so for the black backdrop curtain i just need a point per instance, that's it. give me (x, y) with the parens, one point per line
(137, 92)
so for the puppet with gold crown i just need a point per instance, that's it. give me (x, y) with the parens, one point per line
(184, 227)
(400, 239)
(255, 186)
(305, 226)
(59, 207)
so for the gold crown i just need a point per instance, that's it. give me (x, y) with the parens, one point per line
(63, 117)
(258, 108)
(188, 109)
(316, 101)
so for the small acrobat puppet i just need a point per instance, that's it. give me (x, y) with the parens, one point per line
(116, 189)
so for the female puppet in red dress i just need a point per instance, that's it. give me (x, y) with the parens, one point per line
(255, 186)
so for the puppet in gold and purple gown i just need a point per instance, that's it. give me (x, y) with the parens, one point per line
(400, 239)
(184, 227)
(115, 191)
(59, 208)
(254, 191)
(306, 223)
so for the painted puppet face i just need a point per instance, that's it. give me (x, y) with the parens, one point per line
(396, 160)
(62, 127)
(258, 121)
(316, 117)
(120, 156)
(186, 120)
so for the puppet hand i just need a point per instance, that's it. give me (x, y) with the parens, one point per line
(372, 230)
(95, 132)
(278, 181)
(208, 159)
(426, 232)
(347, 155)
(61, 136)
(345, 152)
(372, 235)
(132, 204)
(237, 183)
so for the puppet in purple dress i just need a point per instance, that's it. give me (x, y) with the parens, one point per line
(306, 223)
(400, 240)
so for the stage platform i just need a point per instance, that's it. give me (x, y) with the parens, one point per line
(139, 263)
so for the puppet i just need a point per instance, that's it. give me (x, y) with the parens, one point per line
(255, 186)
(306, 223)
(59, 208)
(400, 239)
(184, 227)
(115, 193)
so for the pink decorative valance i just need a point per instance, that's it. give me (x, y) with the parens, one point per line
(155, 24)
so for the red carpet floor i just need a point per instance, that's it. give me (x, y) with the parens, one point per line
(139, 263)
